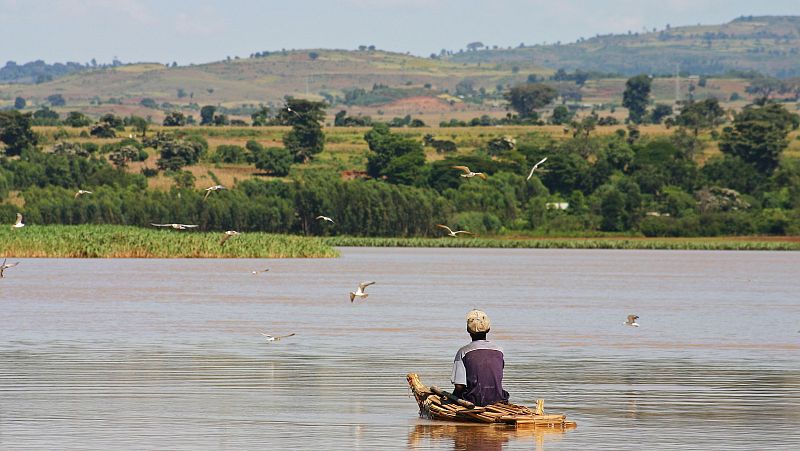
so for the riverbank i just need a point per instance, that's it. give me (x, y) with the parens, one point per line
(109, 241)
(704, 243)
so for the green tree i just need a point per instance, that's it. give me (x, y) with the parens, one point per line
(207, 114)
(56, 100)
(16, 132)
(561, 115)
(175, 154)
(274, 160)
(701, 115)
(394, 158)
(19, 103)
(139, 124)
(77, 119)
(660, 112)
(759, 135)
(636, 97)
(228, 153)
(306, 138)
(528, 97)
(174, 119)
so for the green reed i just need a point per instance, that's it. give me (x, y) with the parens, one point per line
(109, 241)
(568, 243)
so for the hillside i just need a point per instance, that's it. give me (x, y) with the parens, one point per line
(257, 80)
(768, 44)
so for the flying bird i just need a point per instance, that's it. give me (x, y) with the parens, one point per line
(212, 188)
(176, 226)
(450, 231)
(5, 266)
(325, 218)
(360, 292)
(469, 174)
(632, 321)
(19, 223)
(272, 338)
(228, 235)
(292, 111)
(259, 271)
(81, 192)
(536, 166)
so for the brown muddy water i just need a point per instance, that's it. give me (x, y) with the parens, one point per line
(166, 354)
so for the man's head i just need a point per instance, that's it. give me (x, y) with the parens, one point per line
(478, 323)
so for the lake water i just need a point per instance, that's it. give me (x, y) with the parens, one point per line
(166, 354)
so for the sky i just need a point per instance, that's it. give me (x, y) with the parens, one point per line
(201, 31)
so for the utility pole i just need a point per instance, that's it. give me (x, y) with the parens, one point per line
(677, 83)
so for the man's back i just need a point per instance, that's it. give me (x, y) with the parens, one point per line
(479, 366)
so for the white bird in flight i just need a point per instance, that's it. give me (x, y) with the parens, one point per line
(81, 192)
(536, 166)
(212, 188)
(227, 235)
(259, 271)
(360, 292)
(468, 173)
(19, 223)
(176, 226)
(450, 231)
(325, 218)
(632, 321)
(5, 266)
(272, 338)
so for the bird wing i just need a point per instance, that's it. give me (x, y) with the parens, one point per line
(19, 219)
(540, 162)
(208, 191)
(161, 225)
(77, 194)
(267, 336)
(188, 225)
(364, 285)
(462, 168)
(463, 231)
(224, 239)
(481, 175)
(284, 336)
(320, 217)
(442, 226)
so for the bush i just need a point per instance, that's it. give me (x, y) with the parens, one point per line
(227, 153)
(275, 160)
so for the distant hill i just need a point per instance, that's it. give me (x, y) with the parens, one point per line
(767, 44)
(264, 79)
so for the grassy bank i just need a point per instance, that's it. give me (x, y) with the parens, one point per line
(106, 241)
(726, 243)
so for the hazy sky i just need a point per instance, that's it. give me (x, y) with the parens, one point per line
(208, 30)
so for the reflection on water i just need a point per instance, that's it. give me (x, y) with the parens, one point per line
(481, 437)
(166, 354)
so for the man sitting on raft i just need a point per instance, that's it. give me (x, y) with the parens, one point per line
(478, 366)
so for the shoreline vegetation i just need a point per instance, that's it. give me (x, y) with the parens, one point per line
(111, 241)
(737, 243)
(114, 241)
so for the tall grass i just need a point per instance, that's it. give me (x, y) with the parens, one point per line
(108, 241)
(569, 243)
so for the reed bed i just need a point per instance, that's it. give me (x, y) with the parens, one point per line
(110, 241)
(570, 243)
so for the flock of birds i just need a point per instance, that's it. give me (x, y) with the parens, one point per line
(360, 291)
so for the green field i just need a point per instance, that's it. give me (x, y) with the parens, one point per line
(106, 241)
